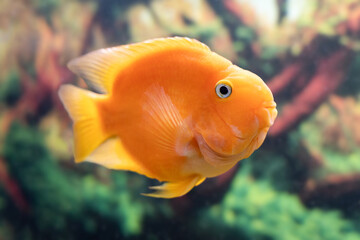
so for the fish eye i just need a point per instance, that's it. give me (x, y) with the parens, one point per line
(223, 90)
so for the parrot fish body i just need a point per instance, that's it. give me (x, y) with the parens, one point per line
(169, 109)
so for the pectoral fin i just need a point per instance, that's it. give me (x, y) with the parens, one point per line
(175, 189)
(170, 131)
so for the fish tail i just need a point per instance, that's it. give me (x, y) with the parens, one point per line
(82, 108)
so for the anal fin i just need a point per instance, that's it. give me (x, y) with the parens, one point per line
(175, 189)
(113, 155)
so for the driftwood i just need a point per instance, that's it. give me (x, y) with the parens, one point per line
(328, 76)
(12, 188)
(340, 191)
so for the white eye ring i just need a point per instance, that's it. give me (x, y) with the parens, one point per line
(223, 90)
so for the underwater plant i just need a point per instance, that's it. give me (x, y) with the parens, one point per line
(254, 210)
(63, 204)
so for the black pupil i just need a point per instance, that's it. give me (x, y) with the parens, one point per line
(224, 90)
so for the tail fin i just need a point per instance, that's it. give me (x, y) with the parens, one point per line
(88, 133)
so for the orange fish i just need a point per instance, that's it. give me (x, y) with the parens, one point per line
(169, 109)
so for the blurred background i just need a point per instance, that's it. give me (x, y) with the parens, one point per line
(303, 183)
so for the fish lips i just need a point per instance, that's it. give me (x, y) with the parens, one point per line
(269, 113)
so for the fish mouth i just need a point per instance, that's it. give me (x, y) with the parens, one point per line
(270, 104)
(270, 108)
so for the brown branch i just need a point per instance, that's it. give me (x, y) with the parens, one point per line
(285, 78)
(335, 190)
(12, 188)
(243, 13)
(329, 75)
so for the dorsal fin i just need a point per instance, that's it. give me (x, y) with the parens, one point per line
(99, 68)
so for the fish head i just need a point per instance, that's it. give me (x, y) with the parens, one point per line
(247, 109)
